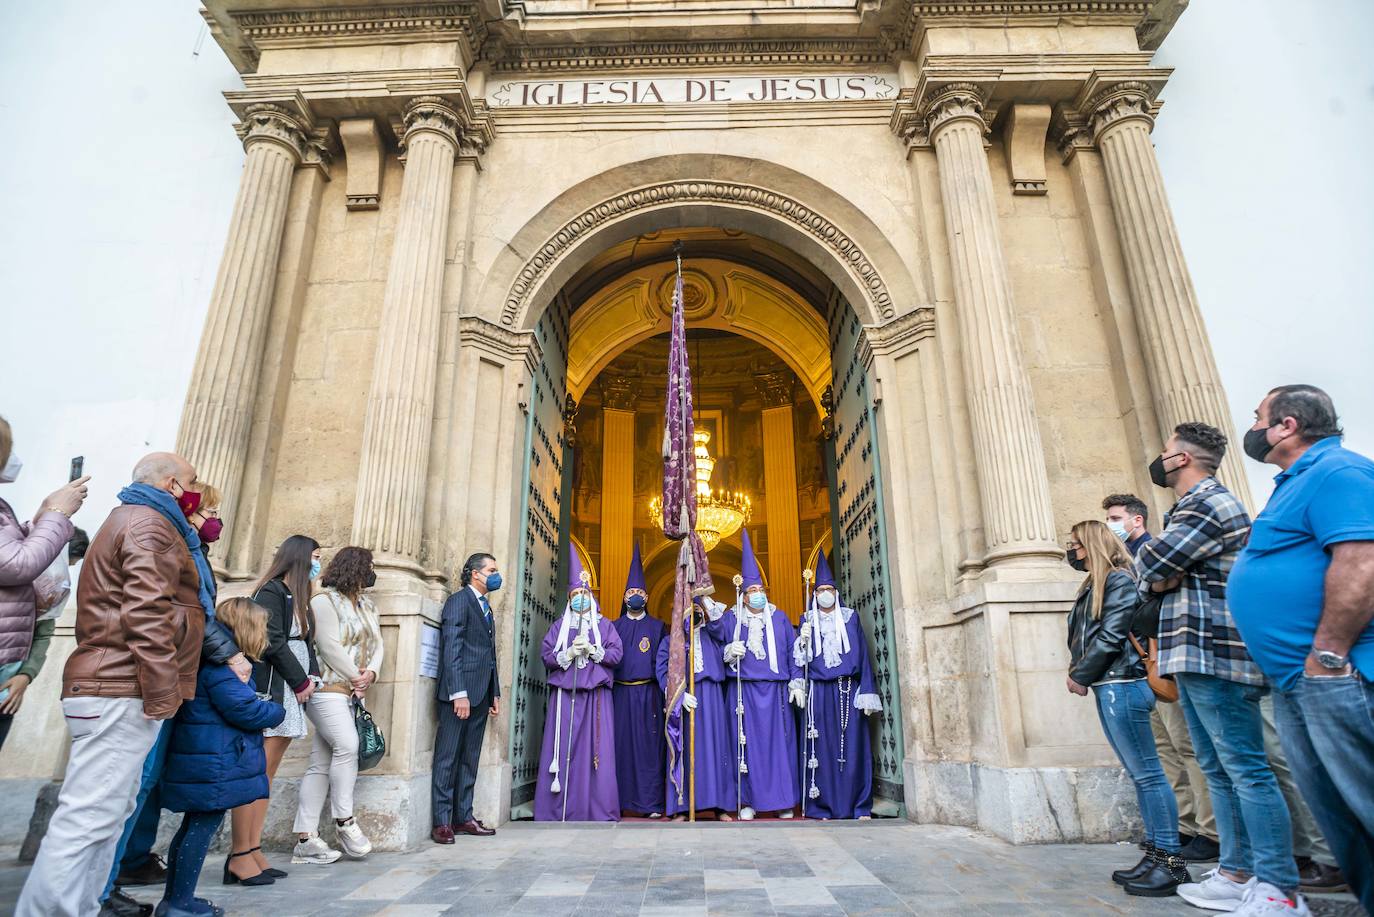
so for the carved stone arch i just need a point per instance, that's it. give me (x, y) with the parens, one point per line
(817, 221)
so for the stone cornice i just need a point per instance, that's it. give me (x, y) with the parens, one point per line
(955, 13)
(752, 53)
(506, 345)
(685, 191)
(245, 33)
(903, 334)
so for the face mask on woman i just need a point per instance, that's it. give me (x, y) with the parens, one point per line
(211, 530)
(314, 569)
(1079, 564)
(757, 600)
(10, 473)
(825, 598)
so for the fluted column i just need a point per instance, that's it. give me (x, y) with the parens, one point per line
(617, 488)
(1014, 487)
(217, 418)
(780, 492)
(389, 510)
(1183, 372)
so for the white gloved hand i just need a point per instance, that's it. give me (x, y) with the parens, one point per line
(798, 697)
(689, 701)
(734, 652)
(581, 646)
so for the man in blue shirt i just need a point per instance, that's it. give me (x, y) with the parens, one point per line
(1302, 594)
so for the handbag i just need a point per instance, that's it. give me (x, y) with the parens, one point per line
(1164, 686)
(371, 742)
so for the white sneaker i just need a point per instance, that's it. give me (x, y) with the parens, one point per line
(352, 840)
(785, 813)
(1265, 899)
(315, 851)
(1215, 892)
(746, 813)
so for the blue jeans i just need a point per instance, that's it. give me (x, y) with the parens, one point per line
(1124, 709)
(1228, 739)
(1327, 729)
(152, 771)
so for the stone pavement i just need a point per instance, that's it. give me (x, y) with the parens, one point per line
(839, 868)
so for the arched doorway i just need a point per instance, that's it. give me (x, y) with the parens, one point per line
(777, 350)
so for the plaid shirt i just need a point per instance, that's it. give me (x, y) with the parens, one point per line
(1203, 534)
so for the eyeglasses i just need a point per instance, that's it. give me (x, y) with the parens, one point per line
(1072, 546)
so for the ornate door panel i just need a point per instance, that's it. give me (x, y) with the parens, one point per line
(543, 484)
(860, 533)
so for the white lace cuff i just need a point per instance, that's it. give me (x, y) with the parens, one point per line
(564, 659)
(796, 684)
(802, 657)
(714, 609)
(598, 653)
(868, 703)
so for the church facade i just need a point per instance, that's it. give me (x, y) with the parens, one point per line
(937, 309)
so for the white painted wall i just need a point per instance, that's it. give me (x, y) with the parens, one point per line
(120, 173)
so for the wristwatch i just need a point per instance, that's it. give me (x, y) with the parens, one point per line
(1329, 660)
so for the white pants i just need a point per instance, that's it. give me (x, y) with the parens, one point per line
(110, 740)
(333, 761)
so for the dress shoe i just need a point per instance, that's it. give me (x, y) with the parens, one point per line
(152, 872)
(442, 834)
(1200, 850)
(1318, 878)
(261, 878)
(1122, 876)
(1163, 878)
(121, 905)
(474, 827)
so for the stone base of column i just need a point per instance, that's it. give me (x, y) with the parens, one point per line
(1025, 805)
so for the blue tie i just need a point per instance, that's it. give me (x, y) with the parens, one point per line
(486, 610)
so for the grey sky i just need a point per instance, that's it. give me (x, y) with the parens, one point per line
(121, 172)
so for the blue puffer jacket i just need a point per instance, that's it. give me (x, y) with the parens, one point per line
(216, 759)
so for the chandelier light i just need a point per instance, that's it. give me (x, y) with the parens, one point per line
(720, 513)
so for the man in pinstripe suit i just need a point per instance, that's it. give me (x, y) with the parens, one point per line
(469, 691)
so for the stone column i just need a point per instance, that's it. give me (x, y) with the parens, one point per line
(617, 488)
(389, 510)
(1014, 487)
(1183, 373)
(217, 417)
(780, 492)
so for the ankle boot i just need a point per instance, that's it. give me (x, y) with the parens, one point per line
(1163, 878)
(1122, 876)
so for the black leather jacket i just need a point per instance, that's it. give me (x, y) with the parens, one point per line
(1099, 648)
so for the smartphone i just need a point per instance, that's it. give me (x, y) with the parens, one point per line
(78, 467)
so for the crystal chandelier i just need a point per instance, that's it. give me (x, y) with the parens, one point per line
(720, 513)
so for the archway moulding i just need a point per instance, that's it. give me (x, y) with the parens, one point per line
(728, 203)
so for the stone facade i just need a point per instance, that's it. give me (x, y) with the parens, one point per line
(972, 184)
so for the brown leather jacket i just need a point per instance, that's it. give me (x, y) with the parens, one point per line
(139, 623)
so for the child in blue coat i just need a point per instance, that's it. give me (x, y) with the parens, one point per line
(215, 761)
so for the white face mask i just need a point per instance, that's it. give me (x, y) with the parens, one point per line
(10, 472)
(825, 598)
(1118, 528)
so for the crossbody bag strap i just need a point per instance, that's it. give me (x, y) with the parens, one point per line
(1136, 643)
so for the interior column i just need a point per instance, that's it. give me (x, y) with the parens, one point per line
(617, 489)
(780, 492)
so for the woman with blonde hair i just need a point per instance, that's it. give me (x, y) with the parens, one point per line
(348, 643)
(1103, 657)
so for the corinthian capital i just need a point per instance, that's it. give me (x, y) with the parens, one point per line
(955, 102)
(431, 114)
(1119, 103)
(268, 123)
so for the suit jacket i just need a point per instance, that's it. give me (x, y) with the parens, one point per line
(467, 651)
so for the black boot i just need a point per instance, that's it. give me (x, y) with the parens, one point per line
(1163, 878)
(1122, 876)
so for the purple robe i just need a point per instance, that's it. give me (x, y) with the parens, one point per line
(771, 748)
(837, 704)
(715, 775)
(639, 748)
(587, 778)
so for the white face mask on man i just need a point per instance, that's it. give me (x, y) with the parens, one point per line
(825, 598)
(10, 472)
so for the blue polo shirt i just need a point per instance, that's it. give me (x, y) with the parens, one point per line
(1278, 585)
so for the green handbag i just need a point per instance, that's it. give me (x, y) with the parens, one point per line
(371, 742)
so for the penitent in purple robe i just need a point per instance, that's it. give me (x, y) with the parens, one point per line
(639, 748)
(771, 746)
(839, 755)
(714, 730)
(581, 723)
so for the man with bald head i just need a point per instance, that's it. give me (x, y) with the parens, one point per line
(142, 606)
